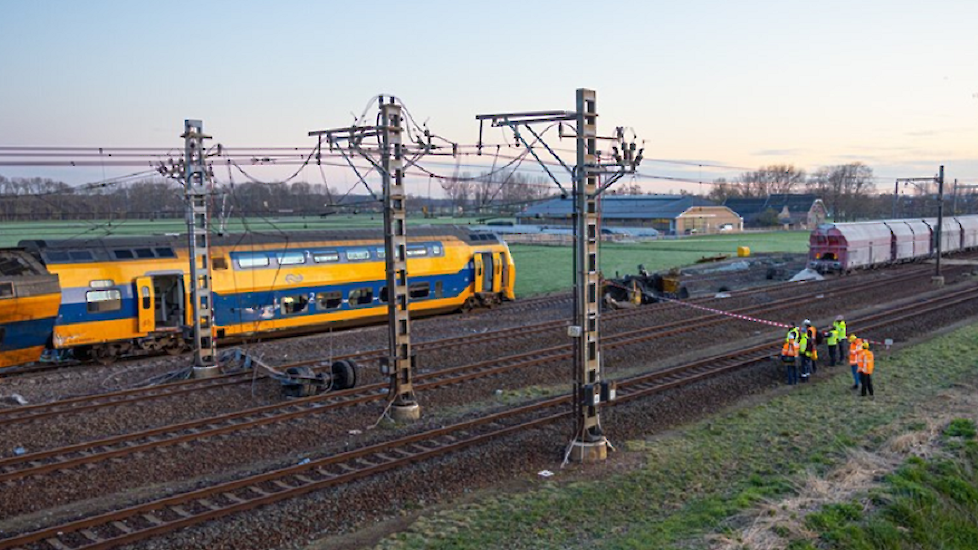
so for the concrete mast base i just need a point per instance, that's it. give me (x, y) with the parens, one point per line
(405, 413)
(589, 452)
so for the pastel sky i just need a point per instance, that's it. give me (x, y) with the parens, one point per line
(890, 83)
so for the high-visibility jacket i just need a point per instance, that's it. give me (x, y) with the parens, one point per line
(840, 327)
(866, 362)
(793, 331)
(833, 337)
(807, 346)
(790, 349)
(855, 349)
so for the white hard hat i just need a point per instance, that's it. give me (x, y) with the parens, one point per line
(807, 322)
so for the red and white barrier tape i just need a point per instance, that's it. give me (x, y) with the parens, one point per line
(754, 319)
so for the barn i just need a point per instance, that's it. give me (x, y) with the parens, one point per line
(668, 214)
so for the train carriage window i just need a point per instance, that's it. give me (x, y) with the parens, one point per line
(6, 290)
(291, 258)
(325, 256)
(381, 254)
(294, 304)
(145, 253)
(358, 254)
(436, 250)
(329, 300)
(80, 255)
(3, 333)
(101, 301)
(167, 253)
(123, 254)
(361, 297)
(383, 294)
(101, 283)
(418, 291)
(416, 251)
(219, 262)
(247, 261)
(56, 257)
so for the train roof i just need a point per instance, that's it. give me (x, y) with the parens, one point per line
(464, 234)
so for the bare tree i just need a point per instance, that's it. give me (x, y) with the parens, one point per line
(771, 180)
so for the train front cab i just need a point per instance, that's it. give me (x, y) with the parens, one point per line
(493, 277)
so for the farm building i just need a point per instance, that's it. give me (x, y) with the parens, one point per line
(797, 211)
(668, 214)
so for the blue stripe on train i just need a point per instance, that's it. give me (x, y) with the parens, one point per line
(245, 307)
(26, 334)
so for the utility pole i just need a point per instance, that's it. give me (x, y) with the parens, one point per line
(198, 235)
(398, 366)
(589, 443)
(896, 197)
(938, 278)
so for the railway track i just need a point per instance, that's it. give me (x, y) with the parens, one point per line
(155, 517)
(135, 395)
(42, 462)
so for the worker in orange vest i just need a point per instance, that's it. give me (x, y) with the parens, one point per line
(866, 365)
(789, 356)
(855, 348)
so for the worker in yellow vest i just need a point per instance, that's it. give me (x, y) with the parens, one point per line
(842, 343)
(855, 349)
(789, 357)
(832, 340)
(806, 348)
(866, 366)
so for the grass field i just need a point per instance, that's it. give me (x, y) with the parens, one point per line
(716, 480)
(541, 269)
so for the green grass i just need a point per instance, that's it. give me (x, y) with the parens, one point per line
(542, 269)
(697, 479)
(925, 505)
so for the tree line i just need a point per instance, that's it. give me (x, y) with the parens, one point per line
(848, 191)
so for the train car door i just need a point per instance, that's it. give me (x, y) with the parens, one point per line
(488, 272)
(145, 298)
(479, 269)
(497, 271)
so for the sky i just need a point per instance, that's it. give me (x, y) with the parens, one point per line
(893, 84)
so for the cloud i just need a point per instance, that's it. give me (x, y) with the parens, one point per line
(778, 152)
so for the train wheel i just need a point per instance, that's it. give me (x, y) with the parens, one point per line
(344, 374)
(104, 355)
(83, 353)
(175, 346)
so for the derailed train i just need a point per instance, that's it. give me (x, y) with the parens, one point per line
(107, 297)
(842, 247)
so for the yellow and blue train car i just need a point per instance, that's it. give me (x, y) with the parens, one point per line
(125, 294)
(29, 300)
